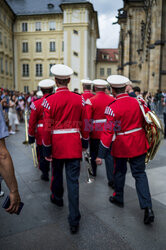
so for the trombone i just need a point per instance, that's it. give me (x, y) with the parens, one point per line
(89, 170)
(34, 155)
(33, 146)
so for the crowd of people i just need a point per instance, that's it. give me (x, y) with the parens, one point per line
(14, 103)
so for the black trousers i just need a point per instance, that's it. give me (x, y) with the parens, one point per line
(44, 165)
(94, 147)
(137, 165)
(72, 167)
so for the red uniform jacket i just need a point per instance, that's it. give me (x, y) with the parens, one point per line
(95, 107)
(122, 116)
(35, 130)
(64, 119)
(87, 94)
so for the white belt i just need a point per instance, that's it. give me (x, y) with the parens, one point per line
(129, 131)
(65, 131)
(40, 125)
(100, 121)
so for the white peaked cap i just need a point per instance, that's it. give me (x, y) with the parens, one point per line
(86, 82)
(100, 83)
(61, 71)
(39, 93)
(118, 81)
(46, 84)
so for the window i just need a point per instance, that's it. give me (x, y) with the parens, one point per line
(62, 45)
(38, 47)
(24, 47)
(101, 71)
(6, 67)
(75, 32)
(5, 41)
(0, 37)
(24, 27)
(39, 69)
(1, 64)
(52, 25)
(8, 23)
(4, 18)
(25, 70)
(50, 65)
(26, 89)
(52, 46)
(10, 69)
(108, 71)
(38, 26)
(75, 53)
(10, 44)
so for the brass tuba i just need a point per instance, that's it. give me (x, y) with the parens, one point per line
(154, 132)
(33, 146)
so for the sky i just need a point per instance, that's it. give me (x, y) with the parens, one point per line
(107, 12)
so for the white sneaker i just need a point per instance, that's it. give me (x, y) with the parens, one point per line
(1, 193)
(12, 132)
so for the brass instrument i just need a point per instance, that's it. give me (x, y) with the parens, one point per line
(89, 170)
(154, 132)
(33, 146)
(34, 155)
(26, 128)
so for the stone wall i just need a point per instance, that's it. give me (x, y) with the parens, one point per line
(142, 54)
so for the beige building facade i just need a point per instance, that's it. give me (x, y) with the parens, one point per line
(50, 33)
(6, 46)
(106, 63)
(142, 45)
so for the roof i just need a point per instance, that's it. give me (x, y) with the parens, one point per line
(36, 7)
(107, 55)
(135, 1)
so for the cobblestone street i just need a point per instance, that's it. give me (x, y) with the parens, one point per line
(41, 225)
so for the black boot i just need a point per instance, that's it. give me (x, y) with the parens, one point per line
(59, 203)
(113, 200)
(148, 216)
(44, 177)
(74, 229)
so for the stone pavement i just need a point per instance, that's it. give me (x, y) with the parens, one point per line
(43, 226)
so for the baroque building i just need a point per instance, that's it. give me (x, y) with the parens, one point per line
(6, 46)
(142, 43)
(51, 32)
(106, 63)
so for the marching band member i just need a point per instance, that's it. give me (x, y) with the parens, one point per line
(95, 109)
(87, 89)
(39, 94)
(126, 126)
(64, 118)
(35, 130)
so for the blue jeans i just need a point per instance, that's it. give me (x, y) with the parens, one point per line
(72, 167)
(137, 165)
